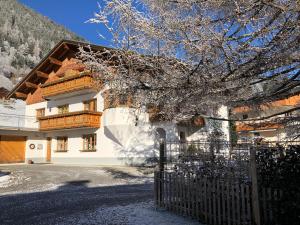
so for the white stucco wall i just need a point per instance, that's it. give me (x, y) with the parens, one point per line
(38, 154)
(125, 136)
(223, 112)
(31, 112)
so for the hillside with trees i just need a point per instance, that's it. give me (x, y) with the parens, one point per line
(25, 37)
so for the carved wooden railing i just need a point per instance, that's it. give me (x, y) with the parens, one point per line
(68, 84)
(82, 119)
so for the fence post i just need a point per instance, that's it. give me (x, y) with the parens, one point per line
(161, 170)
(161, 155)
(255, 194)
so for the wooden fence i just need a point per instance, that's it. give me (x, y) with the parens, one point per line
(213, 201)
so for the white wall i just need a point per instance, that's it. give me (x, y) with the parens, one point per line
(38, 154)
(31, 112)
(126, 133)
(223, 112)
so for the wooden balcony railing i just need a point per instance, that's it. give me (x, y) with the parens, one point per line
(257, 126)
(68, 84)
(82, 119)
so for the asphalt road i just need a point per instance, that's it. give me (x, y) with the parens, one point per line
(42, 194)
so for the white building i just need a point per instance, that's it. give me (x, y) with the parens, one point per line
(273, 129)
(76, 124)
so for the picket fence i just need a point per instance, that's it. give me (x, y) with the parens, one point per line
(213, 201)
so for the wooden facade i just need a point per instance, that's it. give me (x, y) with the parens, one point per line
(290, 101)
(113, 100)
(60, 62)
(82, 119)
(77, 82)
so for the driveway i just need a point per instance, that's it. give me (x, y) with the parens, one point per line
(44, 177)
(33, 194)
(57, 194)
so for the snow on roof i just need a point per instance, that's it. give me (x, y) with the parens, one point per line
(5, 83)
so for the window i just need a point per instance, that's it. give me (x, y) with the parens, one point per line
(256, 134)
(123, 100)
(288, 114)
(90, 105)
(40, 112)
(63, 109)
(89, 142)
(245, 116)
(62, 143)
(109, 101)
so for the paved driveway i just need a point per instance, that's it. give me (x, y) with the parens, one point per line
(44, 194)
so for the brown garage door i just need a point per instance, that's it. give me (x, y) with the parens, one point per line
(12, 149)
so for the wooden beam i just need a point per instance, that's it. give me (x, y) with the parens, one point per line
(55, 61)
(42, 74)
(31, 85)
(21, 95)
(66, 46)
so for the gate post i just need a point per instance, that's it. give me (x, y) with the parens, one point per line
(254, 187)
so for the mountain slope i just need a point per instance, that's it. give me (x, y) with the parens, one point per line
(25, 37)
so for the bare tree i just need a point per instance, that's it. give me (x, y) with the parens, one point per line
(188, 57)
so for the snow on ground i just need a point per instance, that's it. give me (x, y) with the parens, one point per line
(133, 214)
(12, 179)
(4, 180)
(39, 178)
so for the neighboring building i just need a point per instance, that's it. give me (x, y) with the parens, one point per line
(13, 130)
(274, 129)
(77, 124)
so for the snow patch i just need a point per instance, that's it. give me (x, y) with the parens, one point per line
(133, 214)
(4, 180)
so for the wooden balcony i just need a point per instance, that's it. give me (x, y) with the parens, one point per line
(66, 85)
(72, 120)
(240, 127)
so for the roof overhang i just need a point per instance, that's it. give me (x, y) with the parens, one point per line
(51, 62)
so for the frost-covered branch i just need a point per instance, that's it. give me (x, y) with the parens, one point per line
(188, 57)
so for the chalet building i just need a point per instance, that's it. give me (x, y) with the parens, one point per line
(273, 129)
(77, 124)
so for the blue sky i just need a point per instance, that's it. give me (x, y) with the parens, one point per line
(72, 14)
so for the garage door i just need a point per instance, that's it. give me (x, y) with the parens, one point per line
(12, 149)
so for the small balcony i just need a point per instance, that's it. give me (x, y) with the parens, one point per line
(68, 86)
(72, 120)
